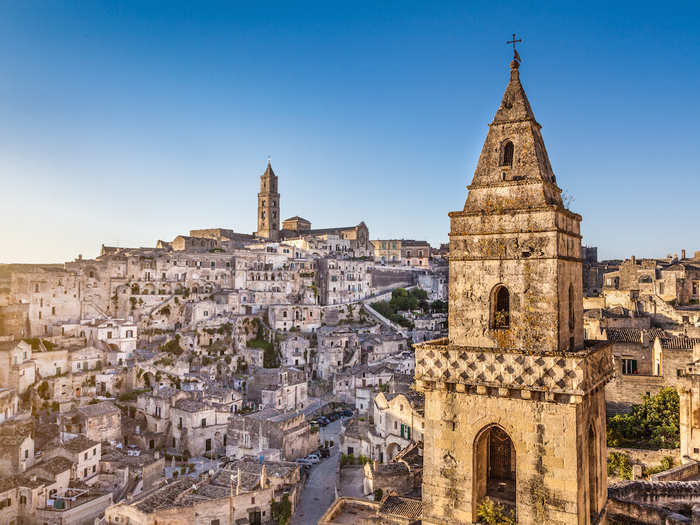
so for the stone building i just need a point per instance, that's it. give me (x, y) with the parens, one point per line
(406, 252)
(267, 430)
(197, 427)
(240, 492)
(16, 446)
(284, 389)
(514, 400)
(17, 370)
(343, 281)
(14, 320)
(294, 350)
(99, 422)
(397, 423)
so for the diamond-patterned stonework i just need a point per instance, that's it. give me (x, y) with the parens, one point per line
(574, 373)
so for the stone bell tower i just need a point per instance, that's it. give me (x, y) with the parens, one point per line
(514, 399)
(268, 206)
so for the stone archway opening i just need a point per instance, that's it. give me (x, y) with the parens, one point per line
(392, 450)
(494, 468)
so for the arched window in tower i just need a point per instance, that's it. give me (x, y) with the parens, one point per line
(507, 154)
(263, 202)
(262, 215)
(500, 307)
(572, 317)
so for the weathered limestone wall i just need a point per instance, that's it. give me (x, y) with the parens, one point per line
(549, 440)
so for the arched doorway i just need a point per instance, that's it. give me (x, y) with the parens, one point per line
(494, 468)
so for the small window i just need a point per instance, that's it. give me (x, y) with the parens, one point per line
(500, 300)
(507, 154)
(629, 366)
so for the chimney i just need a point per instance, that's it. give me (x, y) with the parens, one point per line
(683, 254)
(633, 259)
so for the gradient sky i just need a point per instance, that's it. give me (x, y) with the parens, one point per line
(127, 122)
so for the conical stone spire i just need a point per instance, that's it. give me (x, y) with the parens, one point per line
(513, 171)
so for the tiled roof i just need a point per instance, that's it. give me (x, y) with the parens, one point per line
(79, 444)
(55, 465)
(680, 342)
(632, 335)
(405, 507)
(98, 409)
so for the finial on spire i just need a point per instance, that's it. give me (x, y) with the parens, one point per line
(516, 57)
(269, 159)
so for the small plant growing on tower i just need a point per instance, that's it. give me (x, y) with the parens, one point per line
(494, 513)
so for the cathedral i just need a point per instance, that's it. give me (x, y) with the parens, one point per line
(349, 240)
(514, 397)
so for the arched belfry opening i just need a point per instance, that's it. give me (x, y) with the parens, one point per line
(507, 156)
(494, 468)
(500, 307)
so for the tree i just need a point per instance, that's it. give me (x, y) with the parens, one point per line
(43, 390)
(282, 510)
(655, 423)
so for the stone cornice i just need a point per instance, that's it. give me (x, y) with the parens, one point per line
(515, 211)
(563, 373)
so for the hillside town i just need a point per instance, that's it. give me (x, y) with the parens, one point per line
(299, 375)
(217, 357)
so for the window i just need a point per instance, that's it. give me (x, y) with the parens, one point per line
(507, 154)
(207, 445)
(629, 366)
(204, 422)
(500, 307)
(214, 522)
(109, 334)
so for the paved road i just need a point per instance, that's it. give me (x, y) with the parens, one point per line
(319, 491)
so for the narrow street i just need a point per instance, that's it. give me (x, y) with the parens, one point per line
(319, 491)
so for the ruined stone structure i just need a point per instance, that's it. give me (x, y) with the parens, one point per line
(514, 399)
(268, 206)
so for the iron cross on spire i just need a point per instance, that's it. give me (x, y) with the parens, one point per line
(516, 56)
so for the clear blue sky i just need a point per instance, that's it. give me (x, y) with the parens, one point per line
(127, 122)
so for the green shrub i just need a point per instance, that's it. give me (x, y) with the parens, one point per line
(619, 464)
(653, 424)
(494, 513)
(282, 510)
(378, 493)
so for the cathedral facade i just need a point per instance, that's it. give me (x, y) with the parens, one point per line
(514, 398)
